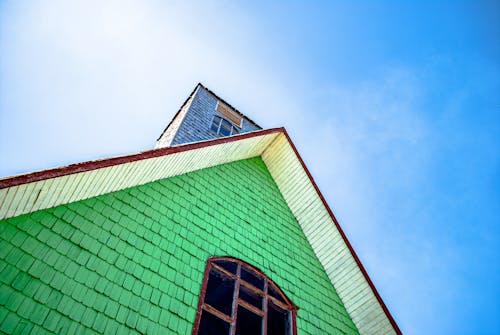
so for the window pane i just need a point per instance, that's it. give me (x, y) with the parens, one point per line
(252, 278)
(214, 127)
(273, 292)
(235, 131)
(220, 290)
(277, 321)
(212, 325)
(248, 323)
(215, 123)
(227, 265)
(256, 308)
(225, 128)
(251, 297)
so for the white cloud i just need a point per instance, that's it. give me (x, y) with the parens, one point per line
(369, 132)
(371, 144)
(88, 79)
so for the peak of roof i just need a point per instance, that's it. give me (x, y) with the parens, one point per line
(217, 97)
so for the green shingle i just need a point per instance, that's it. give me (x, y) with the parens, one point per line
(135, 302)
(132, 261)
(21, 280)
(91, 297)
(165, 316)
(100, 323)
(76, 311)
(111, 308)
(102, 284)
(54, 299)
(122, 314)
(42, 293)
(12, 301)
(114, 291)
(88, 317)
(9, 323)
(52, 321)
(132, 319)
(8, 274)
(137, 288)
(112, 326)
(173, 324)
(155, 296)
(125, 297)
(26, 308)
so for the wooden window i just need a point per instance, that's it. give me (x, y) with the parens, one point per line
(215, 124)
(223, 127)
(238, 299)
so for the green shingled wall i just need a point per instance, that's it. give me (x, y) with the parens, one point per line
(132, 261)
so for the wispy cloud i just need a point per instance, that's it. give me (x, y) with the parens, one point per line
(73, 70)
(406, 155)
(379, 155)
(373, 129)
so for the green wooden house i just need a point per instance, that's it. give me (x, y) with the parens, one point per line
(219, 230)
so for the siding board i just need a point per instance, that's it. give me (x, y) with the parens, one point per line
(319, 228)
(289, 175)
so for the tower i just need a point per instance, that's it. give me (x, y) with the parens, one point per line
(204, 116)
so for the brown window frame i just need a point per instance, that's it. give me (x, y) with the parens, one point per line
(285, 304)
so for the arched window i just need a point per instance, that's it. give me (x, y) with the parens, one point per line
(238, 299)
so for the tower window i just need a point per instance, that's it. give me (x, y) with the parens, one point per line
(223, 127)
(238, 299)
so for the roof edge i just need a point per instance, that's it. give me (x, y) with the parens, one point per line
(182, 106)
(106, 162)
(344, 237)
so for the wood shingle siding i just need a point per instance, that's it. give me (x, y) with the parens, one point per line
(62, 187)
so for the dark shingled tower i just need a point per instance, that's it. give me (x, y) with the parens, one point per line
(204, 116)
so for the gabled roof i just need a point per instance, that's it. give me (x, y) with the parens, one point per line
(200, 85)
(48, 188)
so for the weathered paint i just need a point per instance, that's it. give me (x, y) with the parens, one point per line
(132, 261)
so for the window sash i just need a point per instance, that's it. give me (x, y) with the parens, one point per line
(223, 127)
(281, 302)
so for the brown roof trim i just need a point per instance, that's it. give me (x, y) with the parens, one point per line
(344, 237)
(101, 163)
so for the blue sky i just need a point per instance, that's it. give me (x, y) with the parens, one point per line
(394, 106)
